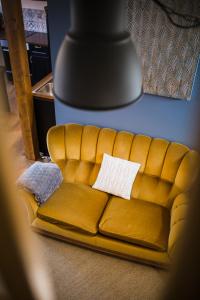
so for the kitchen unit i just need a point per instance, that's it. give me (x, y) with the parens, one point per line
(5, 49)
(35, 19)
(44, 111)
(38, 55)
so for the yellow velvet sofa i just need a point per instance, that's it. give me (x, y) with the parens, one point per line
(145, 228)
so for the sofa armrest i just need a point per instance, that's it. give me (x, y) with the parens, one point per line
(188, 171)
(56, 143)
(30, 203)
(178, 219)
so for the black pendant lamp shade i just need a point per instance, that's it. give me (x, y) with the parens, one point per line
(97, 66)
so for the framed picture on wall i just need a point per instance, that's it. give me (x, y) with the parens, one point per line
(169, 54)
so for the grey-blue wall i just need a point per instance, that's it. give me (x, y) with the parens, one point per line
(175, 120)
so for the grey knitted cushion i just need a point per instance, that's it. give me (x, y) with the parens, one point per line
(41, 179)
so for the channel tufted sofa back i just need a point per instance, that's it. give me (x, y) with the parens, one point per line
(167, 168)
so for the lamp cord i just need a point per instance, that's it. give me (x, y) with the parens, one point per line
(194, 21)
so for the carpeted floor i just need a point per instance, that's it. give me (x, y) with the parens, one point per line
(81, 274)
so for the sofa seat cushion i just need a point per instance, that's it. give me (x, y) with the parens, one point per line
(75, 206)
(136, 221)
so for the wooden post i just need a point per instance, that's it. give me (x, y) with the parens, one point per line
(13, 18)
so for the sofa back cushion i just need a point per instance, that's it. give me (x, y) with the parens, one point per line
(167, 168)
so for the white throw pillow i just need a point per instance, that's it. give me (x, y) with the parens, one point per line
(116, 176)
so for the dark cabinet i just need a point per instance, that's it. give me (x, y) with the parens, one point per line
(7, 63)
(5, 50)
(40, 63)
(6, 56)
(45, 118)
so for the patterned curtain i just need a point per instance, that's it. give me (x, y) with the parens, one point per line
(169, 55)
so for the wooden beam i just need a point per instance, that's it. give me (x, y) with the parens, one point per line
(13, 18)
